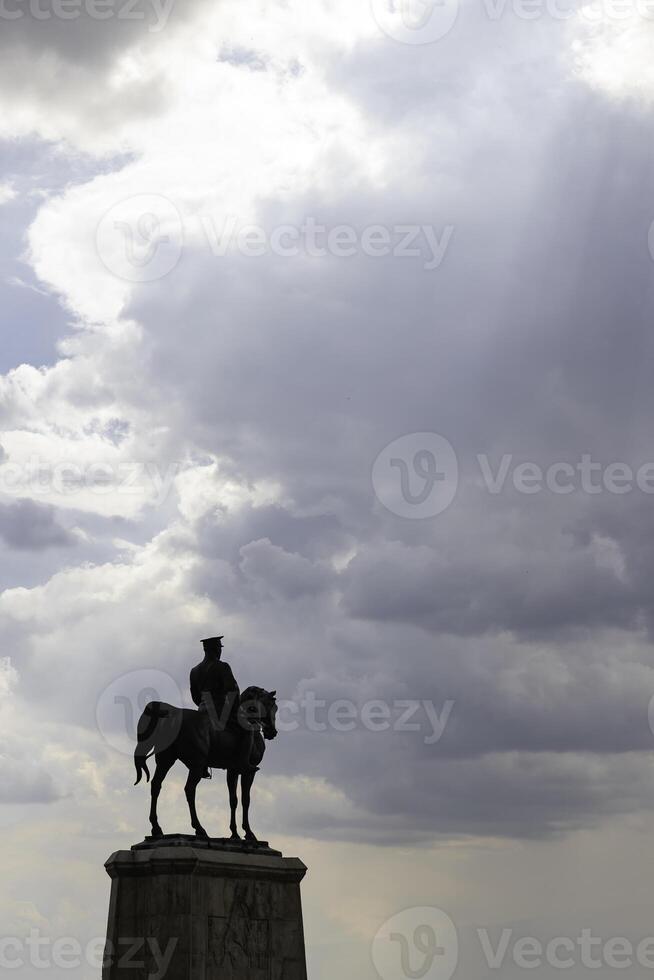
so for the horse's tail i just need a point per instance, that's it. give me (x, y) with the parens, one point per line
(147, 737)
(141, 766)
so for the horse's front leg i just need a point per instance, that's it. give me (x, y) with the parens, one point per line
(232, 784)
(246, 784)
(194, 777)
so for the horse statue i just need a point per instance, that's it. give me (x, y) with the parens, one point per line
(181, 734)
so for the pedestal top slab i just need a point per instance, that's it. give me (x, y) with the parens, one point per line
(189, 856)
(209, 844)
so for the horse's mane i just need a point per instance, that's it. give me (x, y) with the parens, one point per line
(255, 694)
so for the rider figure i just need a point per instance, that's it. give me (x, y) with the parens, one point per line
(215, 691)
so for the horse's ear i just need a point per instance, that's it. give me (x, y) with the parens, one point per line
(273, 694)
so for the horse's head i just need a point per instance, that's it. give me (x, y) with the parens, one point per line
(260, 710)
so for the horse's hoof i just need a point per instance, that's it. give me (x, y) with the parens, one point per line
(201, 834)
(157, 833)
(235, 836)
(251, 839)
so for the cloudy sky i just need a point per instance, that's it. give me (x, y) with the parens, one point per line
(326, 325)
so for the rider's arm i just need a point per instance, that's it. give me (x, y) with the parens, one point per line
(230, 680)
(196, 694)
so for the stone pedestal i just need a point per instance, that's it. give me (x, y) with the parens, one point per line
(183, 909)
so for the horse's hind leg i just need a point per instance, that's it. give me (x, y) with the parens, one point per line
(194, 777)
(232, 784)
(165, 761)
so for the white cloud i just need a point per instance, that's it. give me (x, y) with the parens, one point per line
(7, 193)
(615, 55)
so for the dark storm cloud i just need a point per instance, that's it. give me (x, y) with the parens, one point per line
(98, 543)
(288, 575)
(533, 338)
(63, 64)
(311, 536)
(27, 526)
(89, 35)
(537, 595)
(521, 796)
